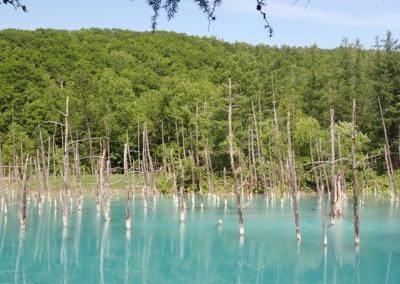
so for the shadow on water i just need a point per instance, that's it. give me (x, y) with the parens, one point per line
(204, 249)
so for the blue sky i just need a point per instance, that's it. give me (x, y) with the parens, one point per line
(323, 22)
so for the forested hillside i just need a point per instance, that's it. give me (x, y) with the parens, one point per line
(117, 80)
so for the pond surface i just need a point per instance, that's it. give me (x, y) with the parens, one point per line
(161, 250)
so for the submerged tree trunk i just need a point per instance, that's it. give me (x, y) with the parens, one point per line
(144, 168)
(293, 179)
(225, 189)
(104, 183)
(23, 195)
(127, 191)
(232, 159)
(39, 180)
(66, 184)
(193, 175)
(335, 201)
(322, 189)
(79, 194)
(174, 183)
(44, 165)
(354, 178)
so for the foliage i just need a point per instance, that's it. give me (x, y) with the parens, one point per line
(119, 79)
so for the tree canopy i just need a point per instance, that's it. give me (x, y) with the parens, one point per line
(118, 79)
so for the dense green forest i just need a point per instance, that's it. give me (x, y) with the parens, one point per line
(117, 80)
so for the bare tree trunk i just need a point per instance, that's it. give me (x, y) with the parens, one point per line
(293, 179)
(277, 145)
(91, 153)
(149, 161)
(23, 195)
(260, 153)
(193, 175)
(341, 170)
(225, 190)
(197, 150)
(177, 138)
(174, 184)
(325, 177)
(79, 194)
(272, 171)
(66, 184)
(127, 191)
(44, 165)
(98, 185)
(48, 168)
(253, 160)
(232, 158)
(208, 170)
(38, 175)
(145, 167)
(164, 154)
(335, 209)
(392, 182)
(322, 189)
(53, 147)
(252, 176)
(242, 164)
(104, 187)
(354, 177)
(183, 141)
(316, 175)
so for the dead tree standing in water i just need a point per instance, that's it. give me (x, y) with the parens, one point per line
(23, 195)
(103, 182)
(335, 201)
(322, 189)
(354, 177)
(66, 185)
(79, 194)
(293, 179)
(232, 158)
(127, 191)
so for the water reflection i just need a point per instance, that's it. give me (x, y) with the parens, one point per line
(21, 242)
(127, 256)
(103, 250)
(160, 249)
(64, 255)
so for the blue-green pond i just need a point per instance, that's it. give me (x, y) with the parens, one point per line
(159, 249)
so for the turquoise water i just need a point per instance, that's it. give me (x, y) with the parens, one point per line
(161, 250)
